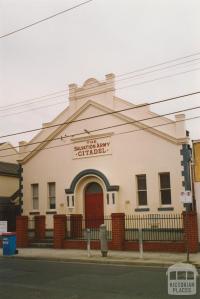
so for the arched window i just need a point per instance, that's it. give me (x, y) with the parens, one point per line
(93, 188)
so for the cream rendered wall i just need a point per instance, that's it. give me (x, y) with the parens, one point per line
(138, 152)
(132, 153)
(8, 185)
(67, 114)
(104, 93)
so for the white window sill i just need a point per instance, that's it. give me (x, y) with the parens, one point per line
(34, 212)
(51, 211)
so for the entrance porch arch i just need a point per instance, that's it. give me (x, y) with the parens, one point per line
(76, 192)
(91, 172)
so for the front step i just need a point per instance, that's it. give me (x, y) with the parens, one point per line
(46, 243)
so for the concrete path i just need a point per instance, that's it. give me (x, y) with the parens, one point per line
(114, 257)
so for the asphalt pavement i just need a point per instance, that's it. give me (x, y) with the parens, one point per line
(42, 279)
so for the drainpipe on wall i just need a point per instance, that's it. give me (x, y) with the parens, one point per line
(186, 152)
(20, 188)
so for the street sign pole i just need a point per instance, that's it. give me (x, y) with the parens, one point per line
(187, 222)
(88, 242)
(140, 243)
(186, 199)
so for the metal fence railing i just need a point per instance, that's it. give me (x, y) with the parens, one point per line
(155, 227)
(76, 227)
(31, 228)
(32, 233)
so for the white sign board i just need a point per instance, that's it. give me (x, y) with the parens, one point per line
(182, 279)
(3, 226)
(186, 197)
(92, 148)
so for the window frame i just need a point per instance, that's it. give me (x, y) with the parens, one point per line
(35, 198)
(51, 197)
(141, 190)
(165, 188)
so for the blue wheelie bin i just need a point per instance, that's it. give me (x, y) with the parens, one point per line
(9, 243)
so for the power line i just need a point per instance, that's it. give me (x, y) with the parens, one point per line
(160, 125)
(46, 19)
(34, 100)
(136, 121)
(32, 109)
(159, 78)
(126, 123)
(103, 114)
(159, 64)
(116, 134)
(65, 90)
(196, 60)
(123, 87)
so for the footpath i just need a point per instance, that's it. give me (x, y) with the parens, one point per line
(151, 259)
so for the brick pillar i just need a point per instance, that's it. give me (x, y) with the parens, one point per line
(59, 232)
(191, 231)
(22, 231)
(76, 226)
(40, 227)
(118, 231)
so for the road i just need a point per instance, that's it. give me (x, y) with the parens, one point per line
(26, 279)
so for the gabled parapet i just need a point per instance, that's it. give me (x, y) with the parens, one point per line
(92, 87)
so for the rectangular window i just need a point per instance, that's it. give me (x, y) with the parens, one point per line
(107, 195)
(142, 189)
(68, 201)
(113, 198)
(35, 196)
(165, 189)
(52, 195)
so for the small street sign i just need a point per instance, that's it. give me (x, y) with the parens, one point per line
(186, 197)
(3, 226)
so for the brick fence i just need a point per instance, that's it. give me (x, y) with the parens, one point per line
(117, 242)
(22, 231)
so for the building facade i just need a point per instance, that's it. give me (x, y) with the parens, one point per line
(9, 184)
(103, 155)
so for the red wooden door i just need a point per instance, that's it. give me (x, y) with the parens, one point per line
(94, 214)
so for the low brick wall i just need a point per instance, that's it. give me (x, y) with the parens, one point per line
(128, 246)
(82, 244)
(22, 231)
(118, 241)
(59, 231)
(191, 231)
(156, 246)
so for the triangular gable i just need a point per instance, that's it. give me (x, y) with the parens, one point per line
(83, 108)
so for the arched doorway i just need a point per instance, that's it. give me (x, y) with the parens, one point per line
(94, 212)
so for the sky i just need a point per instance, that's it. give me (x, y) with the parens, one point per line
(100, 37)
